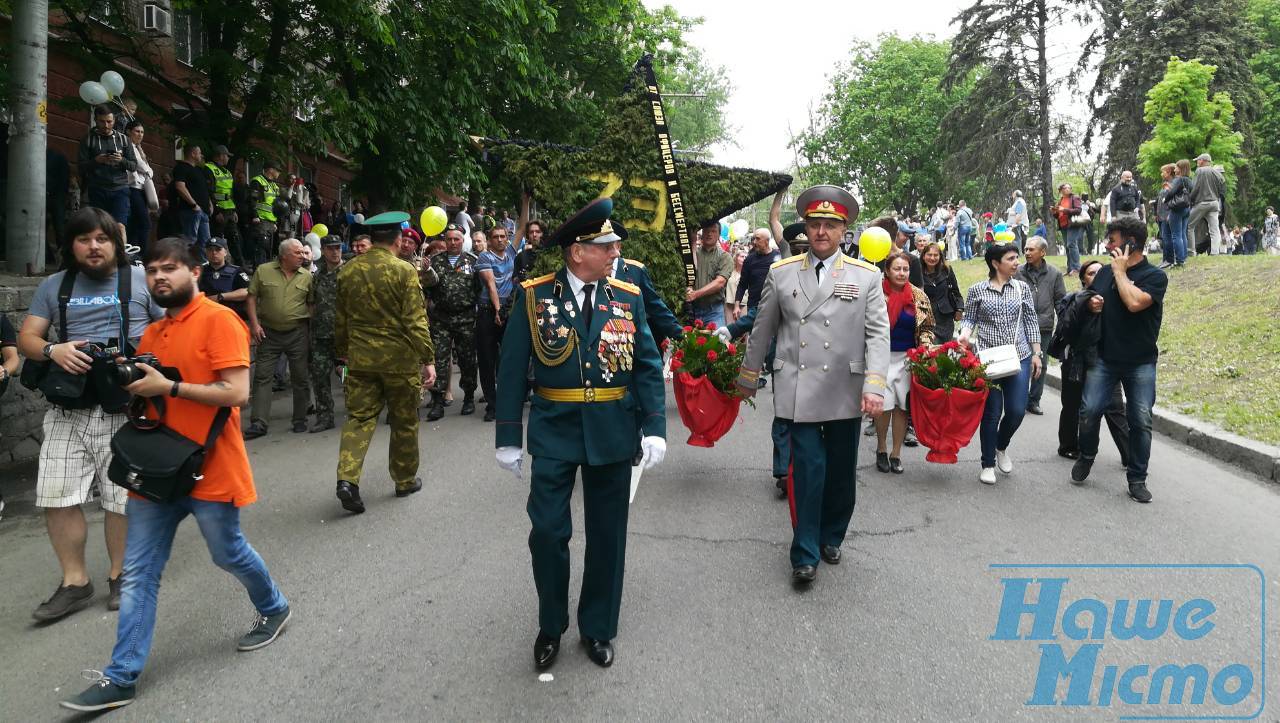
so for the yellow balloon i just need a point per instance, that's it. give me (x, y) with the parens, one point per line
(320, 230)
(1005, 237)
(874, 244)
(433, 220)
(942, 246)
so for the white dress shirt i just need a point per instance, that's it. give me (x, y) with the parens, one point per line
(826, 266)
(575, 287)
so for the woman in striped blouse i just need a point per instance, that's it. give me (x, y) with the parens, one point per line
(997, 312)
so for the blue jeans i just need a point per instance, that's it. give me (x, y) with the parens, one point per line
(964, 239)
(1178, 234)
(710, 314)
(195, 225)
(1139, 383)
(1166, 241)
(1006, 406)
(1037, 385)
(151, 529)
(114, 201)
(1071, 239)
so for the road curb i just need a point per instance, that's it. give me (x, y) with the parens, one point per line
(1250, 455)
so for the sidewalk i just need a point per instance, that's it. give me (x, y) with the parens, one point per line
(1250, 455)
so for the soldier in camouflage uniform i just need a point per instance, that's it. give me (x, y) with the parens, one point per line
(381, 333)
(324, 298)
(453, 290)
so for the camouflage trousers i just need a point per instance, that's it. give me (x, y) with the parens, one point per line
(367, 393)
(320, 364)
(454, 339)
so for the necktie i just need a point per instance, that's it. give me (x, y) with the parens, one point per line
(817, 271)
(588, 304)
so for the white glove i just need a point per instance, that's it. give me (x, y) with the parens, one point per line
(723, 334)
(509, 458)
(653, 450)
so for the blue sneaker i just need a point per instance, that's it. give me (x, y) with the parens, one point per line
(104, 694)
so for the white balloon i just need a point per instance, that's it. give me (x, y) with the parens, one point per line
(359, 218)
(92, 92)
(312, 240)
(741, 227)
(113, 82)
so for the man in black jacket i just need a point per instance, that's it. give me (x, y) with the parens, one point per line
(105, 160)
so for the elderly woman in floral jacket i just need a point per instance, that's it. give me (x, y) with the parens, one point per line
(910, 325)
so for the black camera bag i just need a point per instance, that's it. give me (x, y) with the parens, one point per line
(157, 462)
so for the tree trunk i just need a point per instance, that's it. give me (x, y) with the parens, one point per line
(1042, 89)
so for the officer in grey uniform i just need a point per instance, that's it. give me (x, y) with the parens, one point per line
(828, 314)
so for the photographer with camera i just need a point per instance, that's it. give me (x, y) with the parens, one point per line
(88, 301)
(206, 346)
(1130, 300)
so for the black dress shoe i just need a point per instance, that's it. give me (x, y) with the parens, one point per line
(831, 554)
(349, 495)
(1034, 409)
(545, 650)
(1069, 453)
(1080, 470)
(600, 651)
(489, 414)
(468, 406)
(448, 402)
(255, 430)
(882, 461)
(895, 465)
(781, 484)
(436, 411)
(804, 574)
(299, 427)
(414, 487)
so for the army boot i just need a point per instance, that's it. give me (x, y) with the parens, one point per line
(468, 404)
(437, 407)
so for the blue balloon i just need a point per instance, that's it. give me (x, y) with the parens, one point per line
(404, 225)
(724, 231)
(351, 219)
(1001, 227)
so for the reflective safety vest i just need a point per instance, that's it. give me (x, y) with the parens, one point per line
(222, 181)
(265, 204)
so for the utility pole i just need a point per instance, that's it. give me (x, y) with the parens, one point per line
(28, 136)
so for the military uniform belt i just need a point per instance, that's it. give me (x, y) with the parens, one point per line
(589, 394)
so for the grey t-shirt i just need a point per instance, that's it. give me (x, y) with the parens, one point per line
(93, 313)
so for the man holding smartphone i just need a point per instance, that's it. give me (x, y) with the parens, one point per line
(1131, 301)
(105, 160)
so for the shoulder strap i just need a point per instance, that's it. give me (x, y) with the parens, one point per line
(124, 290)
(215, 429)
(64, 299)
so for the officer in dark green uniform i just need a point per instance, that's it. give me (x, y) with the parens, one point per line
(594, 361)
(453, 290)
(324, 301)
(381, 332)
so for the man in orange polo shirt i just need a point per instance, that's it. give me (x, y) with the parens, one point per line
(209, 345)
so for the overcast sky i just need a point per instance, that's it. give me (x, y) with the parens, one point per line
(779, 55)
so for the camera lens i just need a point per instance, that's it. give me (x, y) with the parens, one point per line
(124, 373)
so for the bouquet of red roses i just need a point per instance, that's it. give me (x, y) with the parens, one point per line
(949, 389)
(705, 370)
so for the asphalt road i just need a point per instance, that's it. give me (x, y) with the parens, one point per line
(424, 608)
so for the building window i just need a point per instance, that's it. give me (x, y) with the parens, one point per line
(188, 37)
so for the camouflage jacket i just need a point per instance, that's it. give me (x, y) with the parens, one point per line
(324, 299)
(381, 320)
(454, 290)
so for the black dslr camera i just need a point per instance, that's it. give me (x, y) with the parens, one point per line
(126, 372)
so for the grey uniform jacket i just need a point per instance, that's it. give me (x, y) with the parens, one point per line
(833, 339)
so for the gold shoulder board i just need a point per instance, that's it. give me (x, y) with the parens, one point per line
(788, 260)
(537, 282)
(864, 264)
(633, 262)
(629, 288)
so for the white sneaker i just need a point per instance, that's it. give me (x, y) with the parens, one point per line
(988, 476)
(1003, 462)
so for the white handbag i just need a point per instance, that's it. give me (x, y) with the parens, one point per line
(1002, 361)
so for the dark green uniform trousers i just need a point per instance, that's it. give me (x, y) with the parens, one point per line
(605, 492)
(824, 458)
(367, 392)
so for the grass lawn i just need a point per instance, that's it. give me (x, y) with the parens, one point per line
(1219, 341)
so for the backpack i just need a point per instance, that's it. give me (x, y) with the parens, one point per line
(1125, 198)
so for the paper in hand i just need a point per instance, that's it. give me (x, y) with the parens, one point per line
(636, 471)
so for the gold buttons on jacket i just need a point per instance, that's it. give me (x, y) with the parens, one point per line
(801, 367)
(826, 322)
(587, 382)
(824, 367)
(803, 344)
(587, 364)
(803, 321)
(826, 345)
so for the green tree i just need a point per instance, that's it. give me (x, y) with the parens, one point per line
(1186, 121)
(878, 126)
(698, 121)
(1130, 49)
(1265, 64)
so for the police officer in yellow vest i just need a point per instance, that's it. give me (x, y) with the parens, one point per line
(264, 190)
(224, 222)
(594, 363)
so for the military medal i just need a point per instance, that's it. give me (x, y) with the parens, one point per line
(846, 292)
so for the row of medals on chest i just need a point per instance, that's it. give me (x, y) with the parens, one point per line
(616, 350)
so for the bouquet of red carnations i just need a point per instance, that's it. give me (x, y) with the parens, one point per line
(705, 369)
(949, 389)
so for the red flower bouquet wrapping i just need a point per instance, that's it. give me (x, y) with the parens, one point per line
(705, 369)
(949, 389)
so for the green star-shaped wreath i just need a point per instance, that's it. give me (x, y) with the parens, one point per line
(625, 165)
